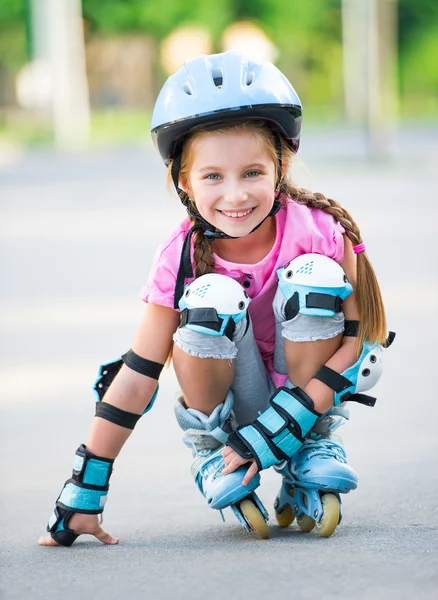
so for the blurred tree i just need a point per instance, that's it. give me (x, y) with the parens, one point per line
(308, 35)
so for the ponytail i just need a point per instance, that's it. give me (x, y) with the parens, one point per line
(372, 325)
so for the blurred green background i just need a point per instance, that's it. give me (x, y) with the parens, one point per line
(125, 44)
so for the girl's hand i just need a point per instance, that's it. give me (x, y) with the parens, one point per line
(233, 461)
(81, 523)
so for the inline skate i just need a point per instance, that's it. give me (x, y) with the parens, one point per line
(206, 436)
(314, 478)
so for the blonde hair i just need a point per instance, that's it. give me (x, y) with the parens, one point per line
(372, 326)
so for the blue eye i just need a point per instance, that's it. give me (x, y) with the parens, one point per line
(213, 176)
(252, 173)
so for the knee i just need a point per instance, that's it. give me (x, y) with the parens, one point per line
(213, 311)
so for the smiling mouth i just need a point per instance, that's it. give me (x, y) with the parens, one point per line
(237, 214)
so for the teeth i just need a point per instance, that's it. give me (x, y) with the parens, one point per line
(236, 214)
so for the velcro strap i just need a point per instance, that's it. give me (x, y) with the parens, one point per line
(259, 447)
(203, 317)
(116, 415)
(351, 328)
(91, 470)
(318, 300)
(292, 307)
(360, 399)
(142, 365)
(389, 339)
(334, 380)
(82, 499)
(208, 318)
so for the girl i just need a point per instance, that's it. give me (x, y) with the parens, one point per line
(270, 317)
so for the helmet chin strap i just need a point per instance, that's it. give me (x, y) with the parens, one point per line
(185, 270)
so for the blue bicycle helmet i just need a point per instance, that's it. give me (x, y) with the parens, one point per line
(213, 89)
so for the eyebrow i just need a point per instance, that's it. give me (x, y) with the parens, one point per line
(246, 167)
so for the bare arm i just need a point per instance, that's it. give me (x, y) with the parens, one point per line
(131, 391)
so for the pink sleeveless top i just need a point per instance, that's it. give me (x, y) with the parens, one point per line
(299, 230)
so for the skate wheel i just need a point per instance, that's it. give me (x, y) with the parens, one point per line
(305, 523)
(285, 517)
(255, 519)
(330, 515)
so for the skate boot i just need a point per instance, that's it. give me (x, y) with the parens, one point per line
(206, 436)
(314, 478)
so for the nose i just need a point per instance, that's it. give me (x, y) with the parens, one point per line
(235, 193)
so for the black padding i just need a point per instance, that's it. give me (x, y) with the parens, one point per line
(239, 445)
(389, 339)
(334, 380)
(360, 399)
(107, 374)
(203, 317)
(351, 328)
(116, 415)
(229, 329)
(326, 301)
(142, 365)
(292, 307)
(208, 318)
(64, 537)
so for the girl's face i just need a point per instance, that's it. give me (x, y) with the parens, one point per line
(232, 181)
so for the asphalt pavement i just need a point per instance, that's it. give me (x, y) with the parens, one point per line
(78, 232)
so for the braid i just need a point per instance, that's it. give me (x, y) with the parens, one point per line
(204, 261)
(372, 325)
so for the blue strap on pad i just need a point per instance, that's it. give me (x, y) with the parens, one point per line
(278, 432)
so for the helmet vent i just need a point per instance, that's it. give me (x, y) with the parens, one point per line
(218, 77)
(249, 77)
(187, 88)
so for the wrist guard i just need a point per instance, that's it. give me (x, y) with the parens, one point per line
(85, 492)
(278, 432)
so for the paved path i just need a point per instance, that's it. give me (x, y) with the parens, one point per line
(78, 235)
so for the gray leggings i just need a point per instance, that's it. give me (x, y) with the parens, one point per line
(252, 385)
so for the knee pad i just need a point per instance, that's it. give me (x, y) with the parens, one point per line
(313, 285)
(212, 304)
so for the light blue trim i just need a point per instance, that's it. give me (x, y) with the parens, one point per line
(272, 421)
(264, 454)
(96, 472)
(77, 498)
(304, 417)
(287, 442)
(352, 373)
(78, 462)
(152, 402)
(289, 289)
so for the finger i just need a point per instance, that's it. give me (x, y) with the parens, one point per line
(105, 537)
(226, 451)
(253, 469)
(233, 465)
(47, 540)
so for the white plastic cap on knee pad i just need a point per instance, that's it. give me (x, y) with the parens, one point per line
(314, 270)
(224, 294)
